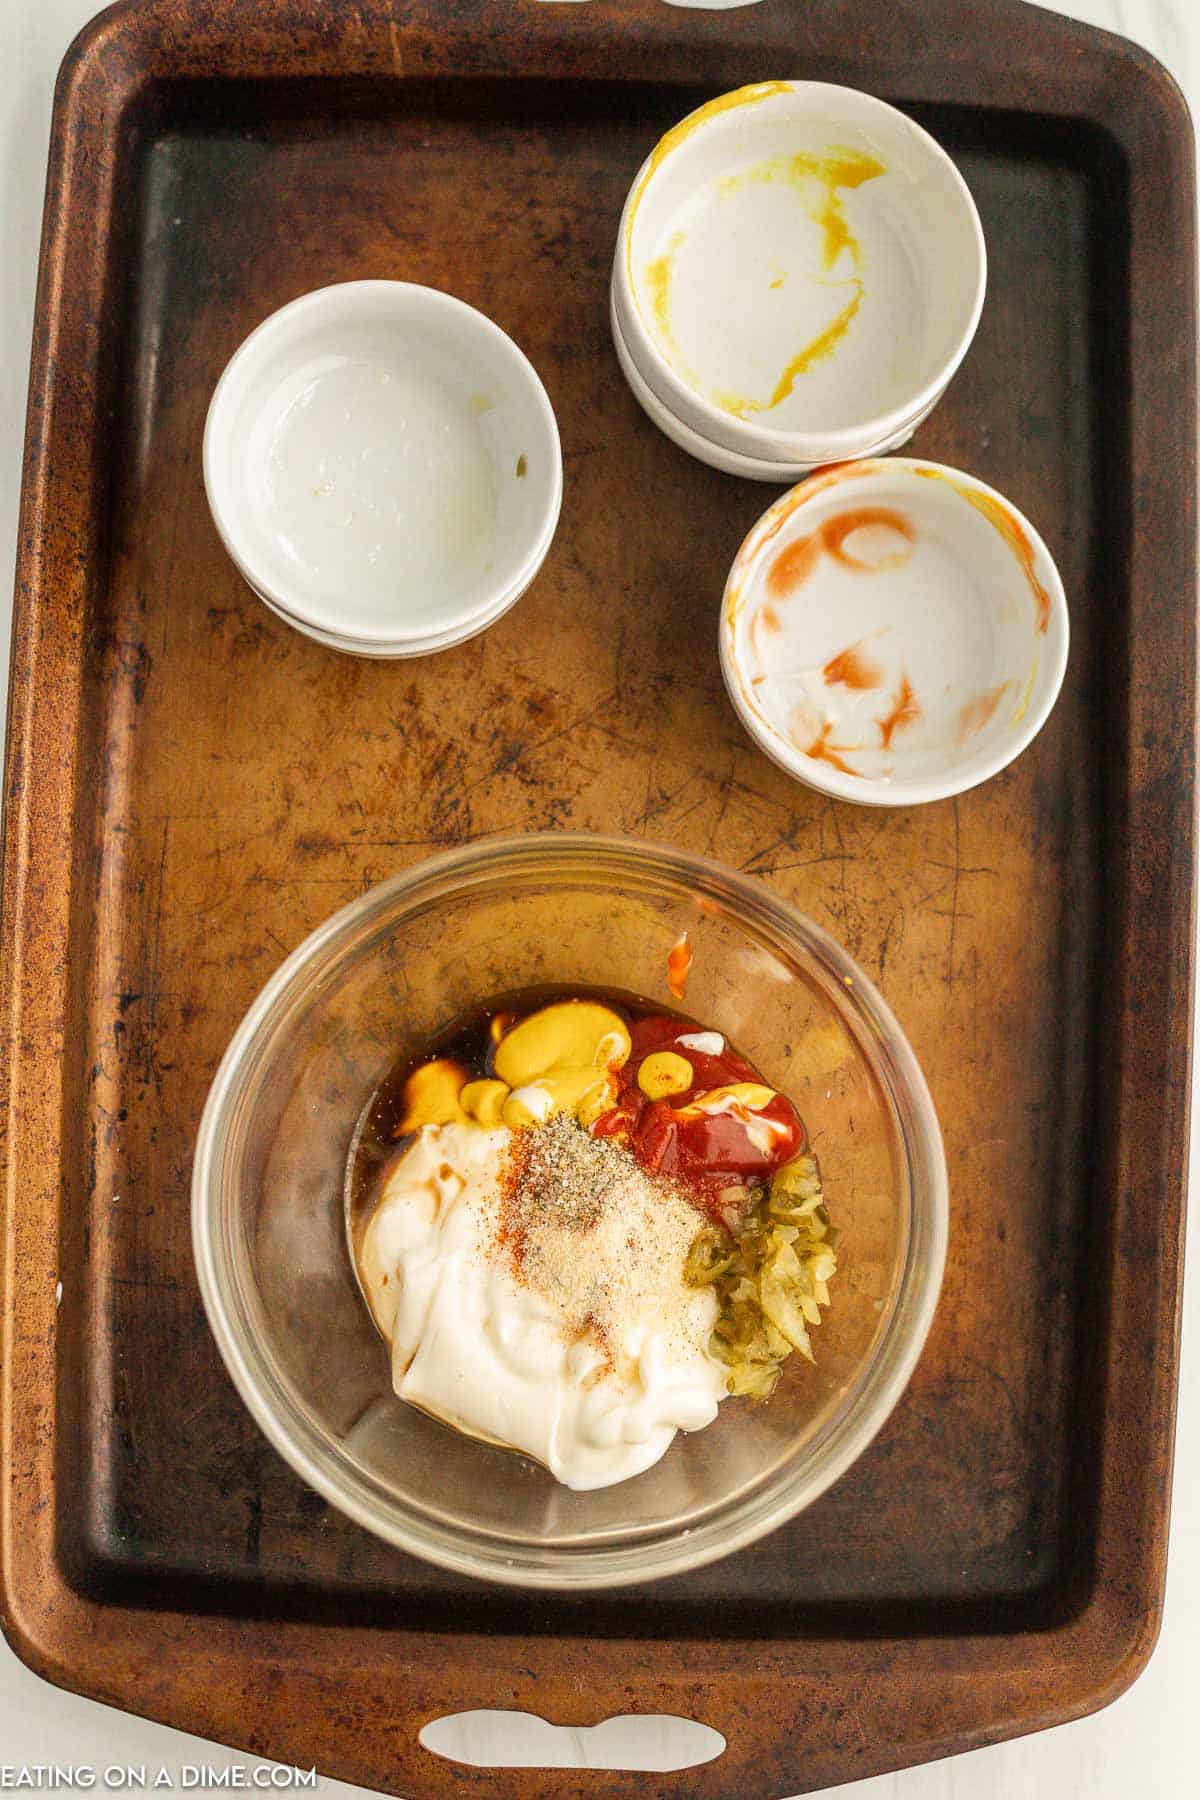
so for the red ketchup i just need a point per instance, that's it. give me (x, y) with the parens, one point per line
(707, 1151)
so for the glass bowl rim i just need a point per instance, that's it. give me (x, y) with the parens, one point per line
(747, 1516)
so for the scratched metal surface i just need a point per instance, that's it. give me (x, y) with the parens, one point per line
(249, 782)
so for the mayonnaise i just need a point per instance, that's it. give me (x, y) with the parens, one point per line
(501, 1353)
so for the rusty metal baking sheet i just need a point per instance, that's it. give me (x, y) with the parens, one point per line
(192, 787)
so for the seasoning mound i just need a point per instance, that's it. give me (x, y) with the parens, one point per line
(583, 1225)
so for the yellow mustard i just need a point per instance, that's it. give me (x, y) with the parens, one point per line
(664, 1073)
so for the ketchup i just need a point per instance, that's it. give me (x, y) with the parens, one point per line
(707, 1151)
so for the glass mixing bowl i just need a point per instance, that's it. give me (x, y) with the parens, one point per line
(384, 975)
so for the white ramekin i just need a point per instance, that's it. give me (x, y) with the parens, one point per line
(804, 237)
(893, 632)
(310, 519)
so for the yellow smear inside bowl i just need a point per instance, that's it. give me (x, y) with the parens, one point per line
(802, 256)
(817, 183)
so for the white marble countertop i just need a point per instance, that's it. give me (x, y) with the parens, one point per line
(1143, 1745)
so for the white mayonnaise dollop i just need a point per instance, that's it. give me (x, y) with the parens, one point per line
(483, 1349)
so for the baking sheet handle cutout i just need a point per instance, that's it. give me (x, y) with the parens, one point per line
(655, 1742)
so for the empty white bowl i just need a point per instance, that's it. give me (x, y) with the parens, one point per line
(383, 466)
(893, 632)
(799, 271)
